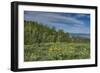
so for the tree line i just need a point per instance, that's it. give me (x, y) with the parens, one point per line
(35, 32)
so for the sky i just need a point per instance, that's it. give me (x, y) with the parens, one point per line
(68, 22)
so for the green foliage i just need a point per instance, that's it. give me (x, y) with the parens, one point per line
(38, 33)
(45, 43)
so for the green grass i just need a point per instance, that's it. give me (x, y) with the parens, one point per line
(56, 51)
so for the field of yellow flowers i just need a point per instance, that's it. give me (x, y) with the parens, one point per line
(56, 51)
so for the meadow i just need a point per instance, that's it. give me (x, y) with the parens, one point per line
(56, 51)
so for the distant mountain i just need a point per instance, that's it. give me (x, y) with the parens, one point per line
(83, 35)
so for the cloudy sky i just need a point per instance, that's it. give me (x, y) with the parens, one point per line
(69, 22)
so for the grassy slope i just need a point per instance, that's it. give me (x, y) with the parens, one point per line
(79, 48)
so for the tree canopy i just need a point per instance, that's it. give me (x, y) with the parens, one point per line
(36, 33)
